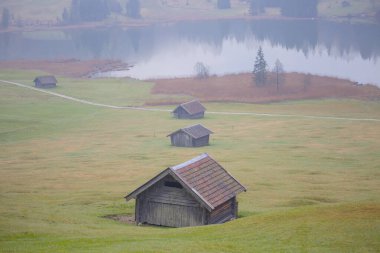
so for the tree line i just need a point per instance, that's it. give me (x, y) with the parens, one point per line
(289, 8)
(98, 10)
(5, 18)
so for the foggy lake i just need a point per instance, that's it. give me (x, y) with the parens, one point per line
(226, 46)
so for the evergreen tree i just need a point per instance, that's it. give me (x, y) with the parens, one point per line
(256, 7)
(5, 18)
(114, 6)
(88, 10)
(75, 16)
(223, 4)
(300, 8)
(260, 68)
(133, 9)
(65, 16)
(377, 16)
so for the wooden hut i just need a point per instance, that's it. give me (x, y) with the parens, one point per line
(190, 110)
(192, 136)
(197, 192)
(45, 82)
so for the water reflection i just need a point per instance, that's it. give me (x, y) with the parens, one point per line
(226, 46)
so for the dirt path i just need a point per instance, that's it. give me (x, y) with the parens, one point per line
(166, 111)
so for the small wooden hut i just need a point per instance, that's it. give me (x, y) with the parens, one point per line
(192, 136)
(45, 82)
(197, 192)
(190, 110)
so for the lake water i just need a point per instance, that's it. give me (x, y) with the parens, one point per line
(226, 46)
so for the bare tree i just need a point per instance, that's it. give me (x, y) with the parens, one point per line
(306, 81)
(201, 70)
(279, 70)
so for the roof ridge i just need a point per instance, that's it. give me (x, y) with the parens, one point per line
(192, 101)
(191, 161)
(199, 124)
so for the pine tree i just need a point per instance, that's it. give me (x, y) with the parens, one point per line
(256, 7)
(260, 68)
(223, 4)
(133, 9)
(5, 18)
(88, 10)
(65, 16)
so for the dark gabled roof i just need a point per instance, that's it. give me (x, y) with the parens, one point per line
(203, 177)
(195, 131)
(45, 79)
(192, 107)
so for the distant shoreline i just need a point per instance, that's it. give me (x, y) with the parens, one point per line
(225, 88)
(149, 22)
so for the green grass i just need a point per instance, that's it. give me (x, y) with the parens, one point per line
(313, 184)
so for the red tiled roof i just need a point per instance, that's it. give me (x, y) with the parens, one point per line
(203, 177)
(208, 179)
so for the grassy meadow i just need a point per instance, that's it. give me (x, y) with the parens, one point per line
(313, 184)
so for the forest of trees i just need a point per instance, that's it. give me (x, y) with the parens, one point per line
(5, 18)
(98, 10)
(88, 10)
(223, 4)
(133, 9)
(289, 8)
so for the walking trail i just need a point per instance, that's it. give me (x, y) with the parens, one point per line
(165, 110)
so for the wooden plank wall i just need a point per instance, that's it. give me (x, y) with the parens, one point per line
(223, 212)
(172, 215)
(182, 114)
(181, 139)
(168, 206)
(204, 141)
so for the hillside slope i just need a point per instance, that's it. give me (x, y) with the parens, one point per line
(313, 183)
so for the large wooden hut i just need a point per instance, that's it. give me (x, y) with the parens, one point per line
(192, 136)
(45, 82)
(190, 110)
(197, 192)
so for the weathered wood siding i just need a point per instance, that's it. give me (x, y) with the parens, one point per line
(203, 141)
(180, 113)
(182, 139)
(168, 206)
(224, 212)
(197, 116)
(38, 84)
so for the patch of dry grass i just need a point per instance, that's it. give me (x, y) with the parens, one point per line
(241, 88)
